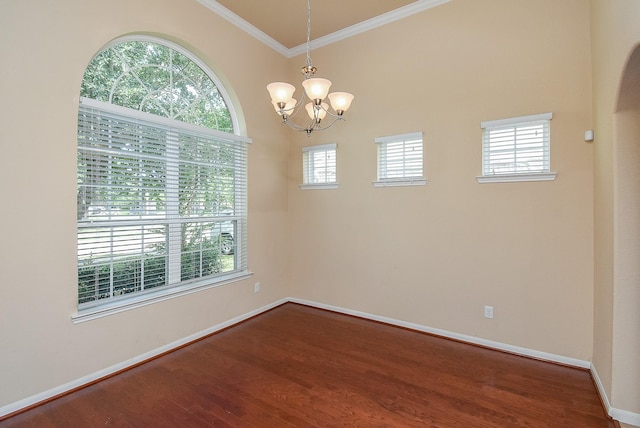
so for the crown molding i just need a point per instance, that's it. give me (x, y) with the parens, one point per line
(369, 24)
(225, 13)
(361, 27)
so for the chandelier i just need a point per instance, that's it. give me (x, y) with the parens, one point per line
(316, 90)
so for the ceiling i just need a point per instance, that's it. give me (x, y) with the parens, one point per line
(285, 21)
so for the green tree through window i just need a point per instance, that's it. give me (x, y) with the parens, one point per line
(156, 79)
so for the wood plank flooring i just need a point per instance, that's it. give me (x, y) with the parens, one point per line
(297, 366)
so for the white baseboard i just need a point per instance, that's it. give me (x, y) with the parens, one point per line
(461, 337)
(619, 415)
(601, 390)
(625, 417)
(85, 380)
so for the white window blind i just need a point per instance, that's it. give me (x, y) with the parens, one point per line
(319, 165)
(400, 159)
(519, 145)
(161, 203)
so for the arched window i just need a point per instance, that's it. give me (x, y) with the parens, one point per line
(156, 77)
(162, 178)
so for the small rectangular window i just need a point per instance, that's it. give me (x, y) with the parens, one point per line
(319, 167)
(400, 160)
(516, 149)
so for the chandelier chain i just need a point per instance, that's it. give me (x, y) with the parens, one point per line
(309, 65)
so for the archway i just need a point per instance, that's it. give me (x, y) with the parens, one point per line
(626, 322)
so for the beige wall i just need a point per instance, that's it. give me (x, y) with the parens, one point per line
(435, 255)
(45, 48)
(432, 255)
(615, 35)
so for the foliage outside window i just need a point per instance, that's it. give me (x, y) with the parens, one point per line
(319, 167)
(400, 160)
(517, 149)
(161, 178)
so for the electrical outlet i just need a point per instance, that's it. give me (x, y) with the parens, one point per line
(488, 311)
(256, 288)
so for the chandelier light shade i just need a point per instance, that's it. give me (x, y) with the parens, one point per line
(316, 91)
(316, 88)
(340, 101)
(281, 92)
(315, 113)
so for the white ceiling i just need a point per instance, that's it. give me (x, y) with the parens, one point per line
(282, 24)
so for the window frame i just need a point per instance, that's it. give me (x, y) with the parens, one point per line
(515, 123)
(141, 298)
(382, 162)
(309, 165)
(169, 290)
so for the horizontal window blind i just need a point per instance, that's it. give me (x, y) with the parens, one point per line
(159, 202)
(400, 156)
(516, 146)
(319, 164)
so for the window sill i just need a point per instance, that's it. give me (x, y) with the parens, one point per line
(401, 182)
(319, 186)
(513, 178)
(152, 297)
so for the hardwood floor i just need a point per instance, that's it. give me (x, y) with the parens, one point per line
(296, 366)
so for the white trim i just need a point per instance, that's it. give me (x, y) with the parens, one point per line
(321, 147)
(600, 388)
(319, 186)
(155, 296)
(245, 26)
(80, 382)
(369, 24)
(130, 113)
(397, 182)
(625, 417)
(410, 136)
(512, 178)
(516, 120)
(619, 415)
(451, 335)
